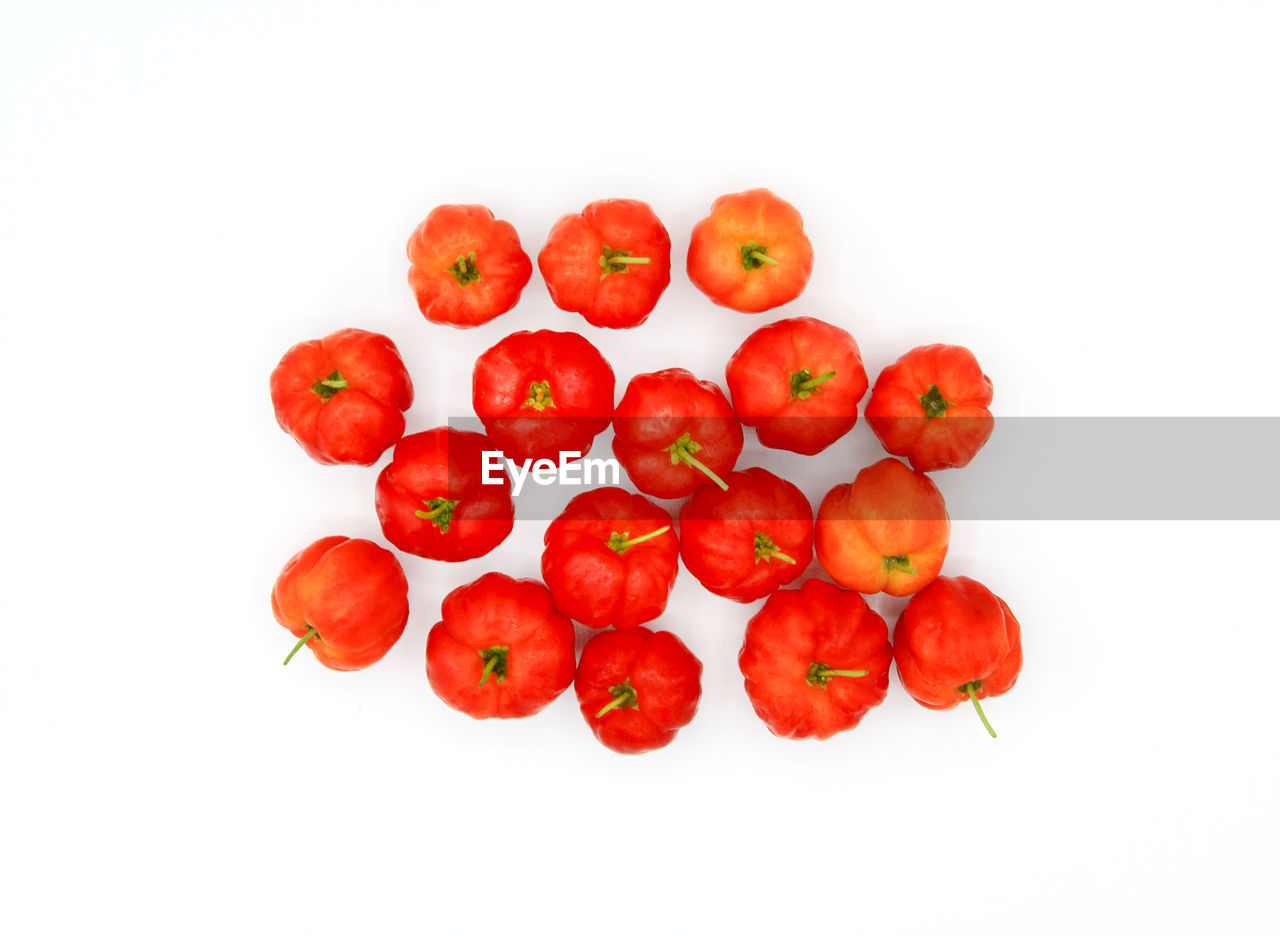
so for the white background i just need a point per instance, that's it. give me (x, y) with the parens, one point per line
(1084, 193)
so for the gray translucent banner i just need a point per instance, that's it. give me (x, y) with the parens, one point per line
(1046, 468)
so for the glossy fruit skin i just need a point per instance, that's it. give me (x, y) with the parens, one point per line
(798, 627)
(659, 674)
(498, 611)
(594, 583)
(467, 268)
(766, 378)
(953, 633)
(931, 407)
(352, 424)
(543, 393)
(659, 409)
(352, 591)
(888, 511)
(443, 465)
(718, 261)
(719, 530)
(577, 272)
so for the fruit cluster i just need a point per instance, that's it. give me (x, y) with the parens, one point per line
(815, 658)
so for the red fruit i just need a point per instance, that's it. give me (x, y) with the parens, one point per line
(798, 383)
(500, 649)
(467, 267)
(342, 397)
(957, 642)
(674, 433)
(815, 659)
(637, 688)
(433, 501)
(610, 559)
(751, 252)
(345, 599)
(543, 393)
(745, 542)
(931, 407)
(610, 263)
(888, 531)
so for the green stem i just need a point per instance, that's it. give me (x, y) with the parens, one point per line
(311, 632)
(439, 511)
(489, 666)
(326, 387)
(465, 270)
(972, 689)
(693, 462)
(933, 403)
(623, 696)
(810, 384)
(495, 664)
(899, 564)
(682, 450)
(616, 261)
(765, 549)
(705, 470)
(819, 675)
(763, 258)
(616, 702)
(619, 543)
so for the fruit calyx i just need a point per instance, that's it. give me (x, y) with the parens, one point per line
(682, 450)
(439, 511)
(326, 387)
(933, 403)
(464, 269)
(820, 674)
(617, 261)
(754, 256)
(899, 564)
(624, 696)
(539, 396)
(766, 550)
(805, 385)
(495, 663)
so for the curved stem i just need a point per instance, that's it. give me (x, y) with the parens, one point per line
(973, 697)
(623, 696)
(619, 544)
(617, 702)
(690, 460)
(311, 632)
(431, 514)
